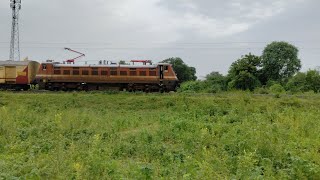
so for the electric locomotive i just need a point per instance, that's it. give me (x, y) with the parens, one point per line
(147, 77)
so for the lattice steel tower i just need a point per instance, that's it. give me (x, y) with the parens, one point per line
(14, 45)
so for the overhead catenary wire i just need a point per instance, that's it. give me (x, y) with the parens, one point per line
(186, 42)
(251, 46)
(163, 48)
(156, 43)
(159, 45)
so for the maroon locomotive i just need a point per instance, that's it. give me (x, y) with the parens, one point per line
(147, 77)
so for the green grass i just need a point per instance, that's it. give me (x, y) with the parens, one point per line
(151, 136)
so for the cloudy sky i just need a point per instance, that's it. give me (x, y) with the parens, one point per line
(206, 34)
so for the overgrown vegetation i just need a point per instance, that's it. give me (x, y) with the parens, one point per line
(145, 136)
(308, 82)
(279, 65)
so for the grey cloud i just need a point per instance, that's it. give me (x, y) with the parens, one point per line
(157, 29)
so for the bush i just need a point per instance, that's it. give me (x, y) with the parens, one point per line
(215, 88)
(277, 89)
(193, 86)
(261, 90)
(200, 87)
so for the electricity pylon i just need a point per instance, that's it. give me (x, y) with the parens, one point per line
(14, 45)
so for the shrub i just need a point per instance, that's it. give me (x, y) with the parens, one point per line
(261, 90)
(192, 86)
(277, 89)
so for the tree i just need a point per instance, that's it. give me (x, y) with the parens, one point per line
(313, 80)
(303, 82)
(122, 62)
(217, 81)
(243, 74)
(297, 83)
(183, 71)
(280, 62)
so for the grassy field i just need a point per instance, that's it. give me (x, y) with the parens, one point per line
(151, 136)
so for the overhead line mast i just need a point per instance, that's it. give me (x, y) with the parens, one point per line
(14, 45)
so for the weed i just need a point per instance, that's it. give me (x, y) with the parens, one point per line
(112, 135)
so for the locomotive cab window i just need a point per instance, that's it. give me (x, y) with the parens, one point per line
(166, 68)
(44, 67)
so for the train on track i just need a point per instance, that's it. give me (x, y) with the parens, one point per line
(55, 76)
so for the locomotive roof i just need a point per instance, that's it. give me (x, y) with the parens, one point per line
(14, 63)
(113, 65)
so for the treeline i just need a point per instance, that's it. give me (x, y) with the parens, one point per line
(276, 71)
